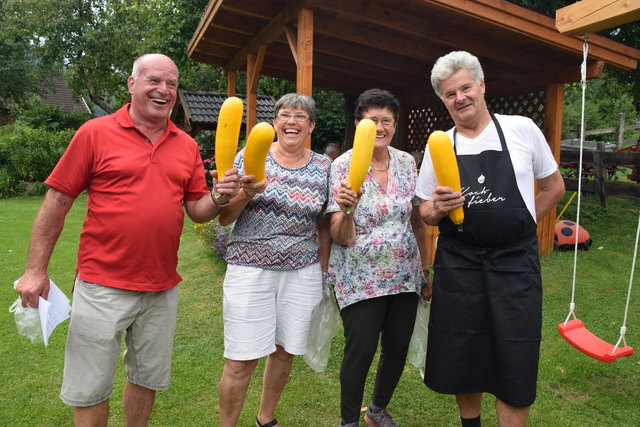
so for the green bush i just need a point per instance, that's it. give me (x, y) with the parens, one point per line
(36, 188)
(36, 114)
(31, 147)
(8, 183)
(33, 152)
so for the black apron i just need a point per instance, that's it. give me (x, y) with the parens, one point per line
(486, 312)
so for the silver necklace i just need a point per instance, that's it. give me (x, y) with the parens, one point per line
(380, 170)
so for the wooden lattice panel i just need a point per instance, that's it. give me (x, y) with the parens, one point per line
(530, 105)
(422, 121)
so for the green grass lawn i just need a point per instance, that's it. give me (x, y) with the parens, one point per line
(573, 390)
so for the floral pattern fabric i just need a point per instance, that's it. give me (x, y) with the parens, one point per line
(384, 257)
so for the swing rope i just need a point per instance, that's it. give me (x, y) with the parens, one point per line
(574, 331)
(623, 328)
(583, 80)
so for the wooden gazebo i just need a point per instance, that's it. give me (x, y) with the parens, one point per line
(354, 45)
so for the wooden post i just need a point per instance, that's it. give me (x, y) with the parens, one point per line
(254, 69)
(304, 55)
(553, 134)
(600, 170)
(304, 76)
(620, 142)
(231, 83)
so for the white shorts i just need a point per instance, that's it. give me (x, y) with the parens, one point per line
(265, 308)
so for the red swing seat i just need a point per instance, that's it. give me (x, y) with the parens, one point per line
(578, 336)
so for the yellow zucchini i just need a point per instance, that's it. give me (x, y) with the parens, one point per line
(363, 142)
(227, 133)
(445, 167)
(256, 150)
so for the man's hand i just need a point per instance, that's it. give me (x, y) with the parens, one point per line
(445, 200)
(227, 187)
(31, 286)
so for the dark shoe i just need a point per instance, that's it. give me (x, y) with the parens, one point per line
(271, 423)
(379, 419)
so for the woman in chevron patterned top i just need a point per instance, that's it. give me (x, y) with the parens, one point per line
(378, 263)
(275, 262)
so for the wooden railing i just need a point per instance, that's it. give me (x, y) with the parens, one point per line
(601, 171)
(622, 127)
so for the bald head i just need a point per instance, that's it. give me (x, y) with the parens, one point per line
(148, 58)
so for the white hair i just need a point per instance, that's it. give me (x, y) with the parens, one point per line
(451, 63)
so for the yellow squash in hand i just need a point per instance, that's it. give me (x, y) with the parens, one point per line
(255, 153)
(227, 133)
(363, 142)
(445, 167)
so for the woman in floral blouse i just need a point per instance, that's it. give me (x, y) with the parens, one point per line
(378, 263)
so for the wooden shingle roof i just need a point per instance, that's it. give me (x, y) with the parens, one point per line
(197, 111)
(57, 93)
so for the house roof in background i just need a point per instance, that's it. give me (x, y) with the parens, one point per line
(57, 93)
(196, 111)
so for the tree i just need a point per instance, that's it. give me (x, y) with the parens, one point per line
(628, 34)
(95, 41)
(16, 65)
(605, 99)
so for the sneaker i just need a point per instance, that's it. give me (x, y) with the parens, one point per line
(353, 424)
(379, 419)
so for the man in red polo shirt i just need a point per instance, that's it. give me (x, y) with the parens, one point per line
(138, 170)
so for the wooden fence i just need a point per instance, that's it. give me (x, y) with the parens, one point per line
(618, 130)
(602, 168)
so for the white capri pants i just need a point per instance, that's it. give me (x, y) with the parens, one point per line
(264, 308)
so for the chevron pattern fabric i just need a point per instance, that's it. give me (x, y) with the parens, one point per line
(277, 229)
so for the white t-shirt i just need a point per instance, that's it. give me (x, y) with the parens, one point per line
(530, 155)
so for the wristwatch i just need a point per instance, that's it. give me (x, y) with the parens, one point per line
(217, 203)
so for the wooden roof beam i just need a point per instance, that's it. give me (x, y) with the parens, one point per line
(339, 50)
(269, 33)
(205, 22)
(411, 30)
(537, 27)
(318, 81)
(589, 16)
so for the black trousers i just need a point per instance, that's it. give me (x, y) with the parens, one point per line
(390, 318)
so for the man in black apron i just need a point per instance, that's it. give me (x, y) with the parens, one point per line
(486, 313)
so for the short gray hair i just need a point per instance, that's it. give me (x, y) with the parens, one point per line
(297, 100)
(451, 63)
(332, 147)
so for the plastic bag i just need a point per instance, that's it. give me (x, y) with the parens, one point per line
(417, 354)
(27, 321)
(325, 322)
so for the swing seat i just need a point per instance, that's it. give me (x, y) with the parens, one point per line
(579, 337)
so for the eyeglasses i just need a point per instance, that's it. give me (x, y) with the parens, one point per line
(297, 117)
(386, 122)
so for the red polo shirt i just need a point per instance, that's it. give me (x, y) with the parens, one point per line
(131, 233)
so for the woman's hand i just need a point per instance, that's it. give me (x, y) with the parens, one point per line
(252, 188)
(427, 289)
(347, 197)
